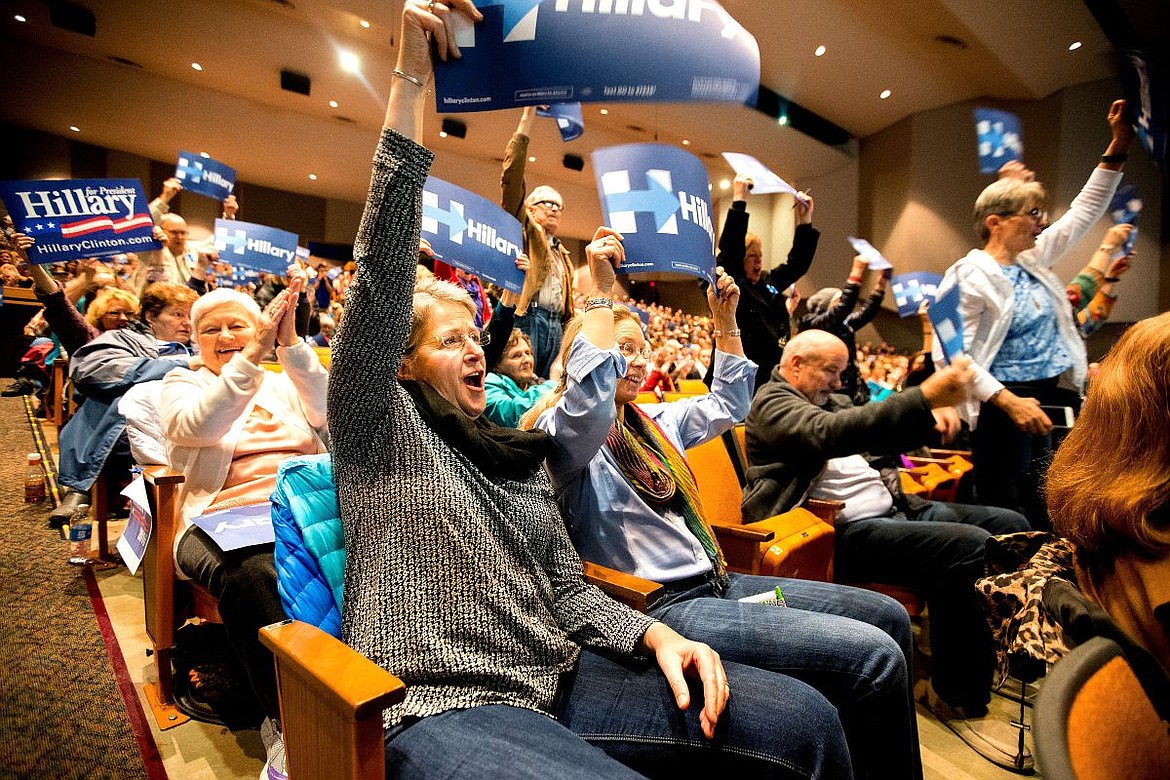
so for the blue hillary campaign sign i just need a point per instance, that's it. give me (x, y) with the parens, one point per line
(75, 218)
(255, 246)
(1125, 208)
(472, 233)
(1000, 139)
(1147, 106)
(657, 197)
(911, 289)
(532, 52)
(569, 119)
(948, 323)
(239, 527)
(205, 176)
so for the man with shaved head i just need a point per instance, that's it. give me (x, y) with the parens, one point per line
(806, 441)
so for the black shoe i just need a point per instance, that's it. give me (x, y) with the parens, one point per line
(21, 386)
(64, 511)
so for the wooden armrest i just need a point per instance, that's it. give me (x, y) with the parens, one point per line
(826, 510)
(634, 592)
(965, 454)
(917, 471)
(920, 461)
(162, 475)
(331, 703)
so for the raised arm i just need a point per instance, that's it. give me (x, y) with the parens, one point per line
(512, 186)
(732, 238)
(804, 247)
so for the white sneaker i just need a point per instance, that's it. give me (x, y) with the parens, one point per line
(987, 735)
(274, 746)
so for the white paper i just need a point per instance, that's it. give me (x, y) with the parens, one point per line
(134, 539)
(764, 182)
(877, 261)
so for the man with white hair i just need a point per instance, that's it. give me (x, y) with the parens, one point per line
(546, 300)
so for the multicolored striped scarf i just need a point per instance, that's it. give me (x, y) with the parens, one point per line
(660, 474)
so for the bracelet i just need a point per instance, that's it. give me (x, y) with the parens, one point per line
(1112, 279)
(1120, 157)
(733, 333)
(598, 303)
(412, 79)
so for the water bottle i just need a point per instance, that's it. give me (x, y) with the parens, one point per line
(34, 480)
(80, 529)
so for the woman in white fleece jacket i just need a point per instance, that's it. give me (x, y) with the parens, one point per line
(1018, 328)
(228, 425)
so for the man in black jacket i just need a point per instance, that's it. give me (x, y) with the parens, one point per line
(803, 440)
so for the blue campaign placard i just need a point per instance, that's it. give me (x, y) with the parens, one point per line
(534, 52)
(205, 176)
(658, 198)
(239, 527)
(948, 323)
(911, 289)
(1125, 208)
(255, 246)
(1147, 106)
(75, 218)
(1000, 138)
(472, 233)
(570, 121)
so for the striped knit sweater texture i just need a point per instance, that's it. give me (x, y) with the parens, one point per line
(466, 587)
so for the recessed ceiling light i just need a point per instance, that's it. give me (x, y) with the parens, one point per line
(333, 104)
(75, 128)
(782, 119)
(196, 66)
(531, 159)
(350, 62)
(442, 134)
(205, 154)
(1074, 46)
(725, 184)
(20, 18)
(312, 177)
(686, 142)
(885, 94)
(364, 23)
(604, 111)
(820, 51)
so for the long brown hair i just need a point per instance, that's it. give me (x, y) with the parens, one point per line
(572, 330)
(1113, 469)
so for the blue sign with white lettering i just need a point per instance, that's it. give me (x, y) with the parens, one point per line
(255, 246)
(948, 323)
(239, 527)
(657, 197)
(1147, 106)
(472, 233)
(1000, 138)
(533, 52)
(911, 289)
(569, 119)
(205, 176)
(1125, 208)
(75, 218)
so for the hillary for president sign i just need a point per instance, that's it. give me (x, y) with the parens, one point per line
(75, 218)
(255, 246)
(472, 233)
(205, 176)
(657, 197)
(528, 52)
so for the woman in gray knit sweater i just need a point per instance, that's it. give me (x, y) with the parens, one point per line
(460, 577)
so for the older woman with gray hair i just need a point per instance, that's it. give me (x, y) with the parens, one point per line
(1018, 328)
(229, 424)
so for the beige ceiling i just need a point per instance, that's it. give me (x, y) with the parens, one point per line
(235, 110)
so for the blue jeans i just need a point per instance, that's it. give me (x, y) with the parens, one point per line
(619, 720)
(851, 645)
(543, 328)
(939, 551)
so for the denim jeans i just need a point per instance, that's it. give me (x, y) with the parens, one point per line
(244, 582)
(543, 327)
(851, 645)
(620, 720)
(939, 551)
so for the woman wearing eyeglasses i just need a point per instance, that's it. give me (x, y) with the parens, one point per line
(1018, 328)
(631, 501)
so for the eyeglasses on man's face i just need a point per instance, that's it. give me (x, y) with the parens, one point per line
(630, 349)
(457, 340)
(550, 205)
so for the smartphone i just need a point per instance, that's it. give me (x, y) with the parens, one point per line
(1061, 416)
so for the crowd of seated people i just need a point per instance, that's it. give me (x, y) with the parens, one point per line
(444, 375)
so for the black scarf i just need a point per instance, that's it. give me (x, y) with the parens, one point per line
(498, 452)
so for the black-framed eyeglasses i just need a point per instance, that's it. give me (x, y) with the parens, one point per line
(551, 205)
(1038, 214)
(456, 340)
(629, 349)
